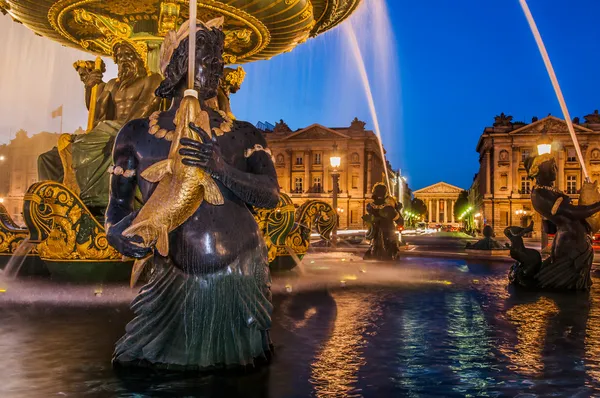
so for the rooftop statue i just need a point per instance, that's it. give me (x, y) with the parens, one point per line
(127, 97)
(503, 120)
(570, 261)
(208, 302)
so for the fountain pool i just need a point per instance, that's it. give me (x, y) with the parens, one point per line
(420, 328)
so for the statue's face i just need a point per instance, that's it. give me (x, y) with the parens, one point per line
(209, 69)
(128, 61)
(548, 171)
(380, 192)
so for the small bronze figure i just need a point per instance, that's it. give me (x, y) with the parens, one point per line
(382, 215)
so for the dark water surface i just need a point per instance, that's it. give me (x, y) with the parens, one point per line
(465, 335)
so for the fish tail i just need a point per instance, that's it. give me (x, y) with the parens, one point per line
(212, 193)
(137, 269)
(142, 229)
(162, 243)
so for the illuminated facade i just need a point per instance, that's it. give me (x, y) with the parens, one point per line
(502, 179)
(439, 199)
(301, 159)
(18, 160)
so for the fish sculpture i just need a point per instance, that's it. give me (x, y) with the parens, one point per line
(181, 189)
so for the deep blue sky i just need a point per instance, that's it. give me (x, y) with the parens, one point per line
(460, 63)
(440, 71)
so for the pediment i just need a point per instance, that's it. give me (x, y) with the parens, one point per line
(440, 187)
(553, 126)
(316, 132)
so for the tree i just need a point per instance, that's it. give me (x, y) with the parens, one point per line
(418, 207)
(461, 205)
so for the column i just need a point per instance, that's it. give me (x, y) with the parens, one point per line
(515, 170)
(446, 210)
(430, 207)
(452, 210)
(561, 170)
(437, 217)
(307, 182)
(488, 173)
(369, 171)
(291, 160)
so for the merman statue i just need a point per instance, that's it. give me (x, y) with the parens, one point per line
(127, 97)
(381, 217)
(208, 302)
(570, 261)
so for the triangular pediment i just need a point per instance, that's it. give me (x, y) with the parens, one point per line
(440, 187)
(553, 126)
(316, 132)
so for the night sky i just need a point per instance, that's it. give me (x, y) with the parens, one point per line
(440, 71)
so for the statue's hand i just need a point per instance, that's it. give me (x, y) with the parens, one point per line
(129, 247)
(206, 154)
(92, 78)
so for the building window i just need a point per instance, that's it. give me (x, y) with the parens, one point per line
(317, 187)
(298, 185)
(299, 160)
(504, 218)
(524, 154)
(317, 158)
(354, 158)
(571, 155)
(353, 216)
(354, 182)
(503, 181)
(571, 185)
(525, 185)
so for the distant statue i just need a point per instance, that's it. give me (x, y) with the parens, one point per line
(208, 303)
(503, 120)
(281, 127)
(570, 261)
(127, 97)
(534, 119)
(382, 215)
(576, 120)
(488, 242)
(357, 125)
(594, 118)
(229, 84)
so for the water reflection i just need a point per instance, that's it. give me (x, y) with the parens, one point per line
(335, 369)
(531, 321)
(592, 339)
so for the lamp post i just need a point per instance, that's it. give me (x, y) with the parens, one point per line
(335, 160)
(544, 146)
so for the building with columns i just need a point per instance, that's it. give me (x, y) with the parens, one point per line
(439, 199)
(18, 162)
(502, 180)
(304, 172)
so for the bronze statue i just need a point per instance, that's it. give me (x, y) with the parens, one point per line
(129, 96)
(382, 215)
(208, 303)
(528, 263)
(570, 261)
(487, 243)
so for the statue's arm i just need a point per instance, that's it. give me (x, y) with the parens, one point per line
(148, 102)
(120, 213)
(257, 185)
(560, 205)
(122, 180)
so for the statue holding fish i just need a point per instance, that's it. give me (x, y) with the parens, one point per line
(208, 302)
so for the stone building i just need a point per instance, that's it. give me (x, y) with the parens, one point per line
(439, 199)
(18, 162)
(502, 179)
(304, 172)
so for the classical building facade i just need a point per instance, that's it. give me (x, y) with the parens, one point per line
(502, 180)
(439, 199)
(304, 172)
(18, 162)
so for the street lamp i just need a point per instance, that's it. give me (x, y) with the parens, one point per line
(544, 144)
(335, 161)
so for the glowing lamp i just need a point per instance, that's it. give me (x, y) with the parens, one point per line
(2, 158)
(1, 200)
(544, 144)
(335, 159)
